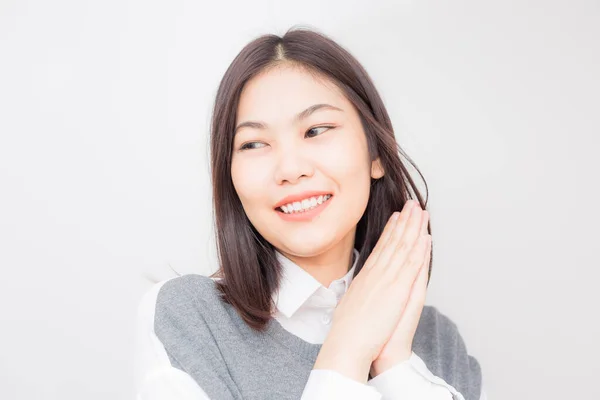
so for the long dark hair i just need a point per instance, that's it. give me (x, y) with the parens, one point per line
(248, 266)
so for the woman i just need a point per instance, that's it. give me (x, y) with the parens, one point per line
(324, 259)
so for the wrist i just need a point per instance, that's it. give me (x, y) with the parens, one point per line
(382, 364)
(346, 361)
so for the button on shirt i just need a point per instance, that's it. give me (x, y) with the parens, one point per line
(304, 308)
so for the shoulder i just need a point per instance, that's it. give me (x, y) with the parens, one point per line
(436, 324)
(186, 304)
(437, 329)
(175, 289)
(437, 334)
(149, 353)
(156, 339)
(182, 293)
(185, 288)
(179, 297)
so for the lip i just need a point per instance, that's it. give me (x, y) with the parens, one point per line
(305, 215)
(301, 196)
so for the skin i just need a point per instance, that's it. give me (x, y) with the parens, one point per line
(283, 160)
(368, 334)
(398, 347)
(327, 151)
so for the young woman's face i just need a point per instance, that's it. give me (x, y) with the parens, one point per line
(288, 151)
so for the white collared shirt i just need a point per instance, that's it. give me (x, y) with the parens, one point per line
(304, 308)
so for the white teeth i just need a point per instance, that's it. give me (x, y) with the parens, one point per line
(305, 205)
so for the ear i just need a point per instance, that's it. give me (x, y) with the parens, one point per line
(376, 169)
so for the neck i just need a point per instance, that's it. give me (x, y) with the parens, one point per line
(329, 265)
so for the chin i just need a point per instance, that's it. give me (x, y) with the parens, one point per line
(305, 247)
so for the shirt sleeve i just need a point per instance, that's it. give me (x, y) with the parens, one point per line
(326, 384)
(483, 394)
(412, 379)
(155, 377)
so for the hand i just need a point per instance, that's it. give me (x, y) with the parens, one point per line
(399, 346)
(363, 321)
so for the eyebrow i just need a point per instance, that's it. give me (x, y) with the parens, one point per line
(302, 115)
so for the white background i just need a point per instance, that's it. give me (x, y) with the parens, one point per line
(104, 110)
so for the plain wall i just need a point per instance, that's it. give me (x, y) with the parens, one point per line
(104, 179)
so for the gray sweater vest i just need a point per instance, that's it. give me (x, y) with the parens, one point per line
(207, 339)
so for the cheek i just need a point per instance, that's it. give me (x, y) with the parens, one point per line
(347, 160)
(246, 177)
(351, 167)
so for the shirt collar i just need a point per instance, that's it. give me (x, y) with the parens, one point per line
(297, 285)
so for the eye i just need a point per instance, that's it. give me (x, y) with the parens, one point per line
(315, 128)
(250, 145)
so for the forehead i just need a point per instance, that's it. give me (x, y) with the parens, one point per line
(278, 94)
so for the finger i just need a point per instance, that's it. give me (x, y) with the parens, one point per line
(403, 278)
(400, 248)
(411, 263)
(383, 239)
(418, 294)
(424, 223)
(413, 229)
(404, 221)
(421, 282)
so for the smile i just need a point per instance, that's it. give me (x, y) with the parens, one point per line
(304, 205)
(304, 210)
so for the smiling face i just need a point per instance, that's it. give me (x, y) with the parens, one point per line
(299, 140)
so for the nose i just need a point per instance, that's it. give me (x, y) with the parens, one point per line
(292, 165)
